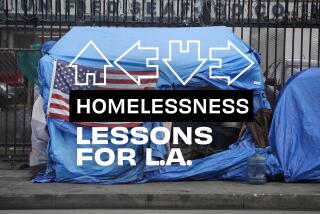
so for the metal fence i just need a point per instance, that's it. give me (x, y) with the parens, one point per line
(16, 100)
(286, 33)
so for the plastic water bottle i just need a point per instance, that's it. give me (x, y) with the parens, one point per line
(257, 169)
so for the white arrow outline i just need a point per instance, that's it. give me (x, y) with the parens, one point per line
(166, 60)
(211, 67)
(109, 65)
(148, 65)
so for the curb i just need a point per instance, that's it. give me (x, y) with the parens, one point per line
(160, 201)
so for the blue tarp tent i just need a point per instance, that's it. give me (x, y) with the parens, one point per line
(230, 164)
(295, 129)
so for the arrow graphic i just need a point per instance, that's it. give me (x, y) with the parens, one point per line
(148, 59)
(181, 50)
(229, 46)
(73, 65)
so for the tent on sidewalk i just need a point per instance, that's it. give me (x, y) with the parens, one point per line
(113, 42)
(295, 128)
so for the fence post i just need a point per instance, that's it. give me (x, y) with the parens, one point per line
(206, 12)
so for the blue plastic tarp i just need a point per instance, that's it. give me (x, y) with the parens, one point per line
(295, 129)
(230, 164)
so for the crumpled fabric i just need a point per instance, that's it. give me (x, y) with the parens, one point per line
(295, 130)
(227, 165)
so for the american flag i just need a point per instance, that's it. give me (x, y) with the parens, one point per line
(64, 81)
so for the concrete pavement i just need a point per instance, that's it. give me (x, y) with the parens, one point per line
(99, 211)
(17, 192)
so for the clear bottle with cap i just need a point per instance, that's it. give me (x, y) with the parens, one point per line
(257, 169)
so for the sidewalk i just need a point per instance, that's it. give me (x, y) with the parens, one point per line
(17, 192)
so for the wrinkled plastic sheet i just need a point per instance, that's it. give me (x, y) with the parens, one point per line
(227, 165)
(295, 128)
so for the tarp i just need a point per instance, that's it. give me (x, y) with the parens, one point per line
(39, 136)
(295, 129)
(27, 63)
(230, 164)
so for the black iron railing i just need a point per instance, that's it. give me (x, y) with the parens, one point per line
(16, 101)
(295, 13)
(286, 33)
